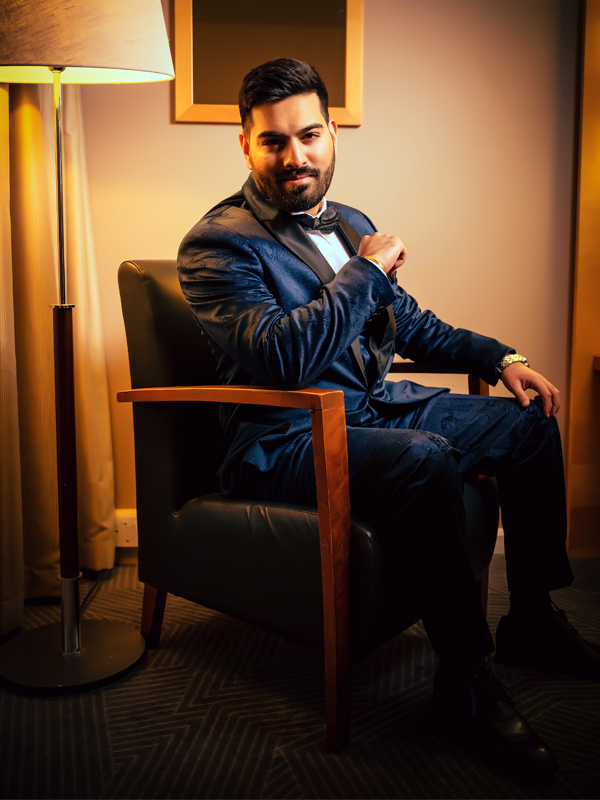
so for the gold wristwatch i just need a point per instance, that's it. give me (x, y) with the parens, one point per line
(374, 260)
(510, 359)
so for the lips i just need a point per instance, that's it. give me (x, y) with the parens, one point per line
(297, 178)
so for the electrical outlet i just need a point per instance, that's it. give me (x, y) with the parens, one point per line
(126, 525)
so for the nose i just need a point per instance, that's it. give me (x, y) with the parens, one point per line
(294, 156)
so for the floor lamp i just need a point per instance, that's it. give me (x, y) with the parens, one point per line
(58, 42)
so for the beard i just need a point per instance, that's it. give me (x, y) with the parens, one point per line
(295, 198)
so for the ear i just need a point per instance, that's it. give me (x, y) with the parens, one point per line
(333, 127)
(245, 145)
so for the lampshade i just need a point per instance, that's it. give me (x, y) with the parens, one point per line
(97, 41)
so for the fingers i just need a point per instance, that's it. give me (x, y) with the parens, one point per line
(517, 378)
(553, 402)
(402, 256)
(397, 265)
(555, 394)
(519, 393)
(546, 399)
(548, 395)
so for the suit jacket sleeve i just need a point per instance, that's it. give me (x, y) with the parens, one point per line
(228, 280)
(423, 337)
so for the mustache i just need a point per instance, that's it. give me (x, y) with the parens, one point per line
(290, 174)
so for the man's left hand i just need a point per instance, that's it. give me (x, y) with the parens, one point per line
(517, 378)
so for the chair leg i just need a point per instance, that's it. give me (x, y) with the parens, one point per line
(333, 499)
(153, 609)
(337, 699)
(482, 588)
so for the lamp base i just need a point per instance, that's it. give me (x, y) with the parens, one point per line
(34, 659)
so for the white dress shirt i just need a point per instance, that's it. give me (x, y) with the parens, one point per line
(330, 244)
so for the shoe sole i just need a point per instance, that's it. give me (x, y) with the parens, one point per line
(507, 762)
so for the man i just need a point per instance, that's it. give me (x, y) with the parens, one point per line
(294, 291)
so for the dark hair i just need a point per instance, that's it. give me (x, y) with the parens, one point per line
(276, 80)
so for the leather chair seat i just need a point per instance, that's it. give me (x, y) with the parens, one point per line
(274, 566)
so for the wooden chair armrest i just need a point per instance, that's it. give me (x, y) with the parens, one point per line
(312, 399)
(476, 384)
(330, 453)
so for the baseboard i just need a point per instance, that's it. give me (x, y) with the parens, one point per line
(126, 556)
(584, 552)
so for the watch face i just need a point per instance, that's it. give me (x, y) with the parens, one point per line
(511, 359)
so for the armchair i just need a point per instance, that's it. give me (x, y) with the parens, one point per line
(312, 574)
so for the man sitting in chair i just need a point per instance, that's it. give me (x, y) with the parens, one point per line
(296, 291)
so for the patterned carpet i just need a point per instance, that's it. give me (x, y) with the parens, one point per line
(223, 710)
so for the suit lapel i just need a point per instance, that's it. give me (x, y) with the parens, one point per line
(381, 332)
(351, 235)
(291, 235)
(384, 342)
(352, 239)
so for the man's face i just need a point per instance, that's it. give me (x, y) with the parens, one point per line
(291, 151)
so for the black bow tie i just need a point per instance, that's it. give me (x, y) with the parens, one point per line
(326, 223)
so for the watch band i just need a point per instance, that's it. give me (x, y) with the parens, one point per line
(511, 358)
(374, 260)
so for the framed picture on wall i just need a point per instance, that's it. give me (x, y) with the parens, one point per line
(218, 41)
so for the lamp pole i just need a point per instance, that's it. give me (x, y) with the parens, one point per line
(64, 394)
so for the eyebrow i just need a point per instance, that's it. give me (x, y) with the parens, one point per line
(267, 134)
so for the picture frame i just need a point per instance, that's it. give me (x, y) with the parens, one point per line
(218, 41)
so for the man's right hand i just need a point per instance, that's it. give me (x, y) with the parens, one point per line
(388, 250)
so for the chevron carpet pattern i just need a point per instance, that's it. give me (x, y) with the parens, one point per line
(224, 710)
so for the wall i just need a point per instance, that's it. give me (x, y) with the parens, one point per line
(584, 419)
(465, 151)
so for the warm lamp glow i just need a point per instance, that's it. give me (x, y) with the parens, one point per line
(34, 74)
(96, 41)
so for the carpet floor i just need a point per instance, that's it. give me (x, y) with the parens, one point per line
(224, 710)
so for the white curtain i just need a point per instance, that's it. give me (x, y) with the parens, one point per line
(29, 286)
(11, 522)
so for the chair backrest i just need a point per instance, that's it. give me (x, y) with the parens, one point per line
(182, 441)
(166, 346)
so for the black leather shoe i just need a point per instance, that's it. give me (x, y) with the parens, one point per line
(551, 644)
(476, 710)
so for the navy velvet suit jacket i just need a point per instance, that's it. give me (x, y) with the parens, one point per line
(277, 315)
